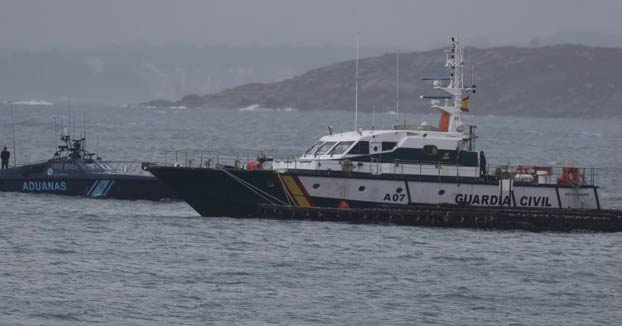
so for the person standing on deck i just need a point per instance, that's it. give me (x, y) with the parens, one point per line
(482, 164)
(5, 156)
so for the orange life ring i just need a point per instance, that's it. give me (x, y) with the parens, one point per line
(569, 174)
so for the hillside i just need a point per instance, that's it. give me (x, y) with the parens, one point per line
(562, 80)
(138, 71)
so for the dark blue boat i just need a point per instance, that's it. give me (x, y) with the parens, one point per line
(74, 171)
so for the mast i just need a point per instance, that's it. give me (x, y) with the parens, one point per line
(397, 92)
(453, 86)
(373, 117)
(13, 127)
(84, 130)
(69, 115)
(356, 87)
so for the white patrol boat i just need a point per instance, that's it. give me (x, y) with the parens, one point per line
(399, 167)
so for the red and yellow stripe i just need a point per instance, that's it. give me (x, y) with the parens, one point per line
(297, 191)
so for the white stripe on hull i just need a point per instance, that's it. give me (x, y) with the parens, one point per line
(414, 192)
(377, 191)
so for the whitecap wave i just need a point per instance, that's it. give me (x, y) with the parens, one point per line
(254, 107)
(259, 108)
(34, 103)
(535, 132)
(591, 134)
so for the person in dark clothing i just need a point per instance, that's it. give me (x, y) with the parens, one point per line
(482, 164)
(5, 156)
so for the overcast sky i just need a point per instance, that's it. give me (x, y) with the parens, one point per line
(397, 23)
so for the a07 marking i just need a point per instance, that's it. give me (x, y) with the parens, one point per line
(394, 197)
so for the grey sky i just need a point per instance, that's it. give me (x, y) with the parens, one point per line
(405, 24)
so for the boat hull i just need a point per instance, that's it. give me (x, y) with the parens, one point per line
(103, 186)
(237, 193)
(214, 192)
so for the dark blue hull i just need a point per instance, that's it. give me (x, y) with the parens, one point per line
(130, 187)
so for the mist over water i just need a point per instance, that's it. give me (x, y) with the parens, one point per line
(70, 260)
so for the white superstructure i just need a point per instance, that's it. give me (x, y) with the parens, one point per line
(418, 149)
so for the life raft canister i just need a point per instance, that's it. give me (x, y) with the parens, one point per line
(253, 165)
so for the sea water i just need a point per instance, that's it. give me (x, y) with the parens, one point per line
(66, 260)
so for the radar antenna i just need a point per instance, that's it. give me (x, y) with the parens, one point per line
(455, 100)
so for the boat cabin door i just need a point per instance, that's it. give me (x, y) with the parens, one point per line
(375, 147)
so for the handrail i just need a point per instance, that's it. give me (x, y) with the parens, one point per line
(214, 159)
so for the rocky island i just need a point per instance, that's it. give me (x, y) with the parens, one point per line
(560, 80)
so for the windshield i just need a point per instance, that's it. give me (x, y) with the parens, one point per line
(314, 148)
(93, 167)
(341, 147)
(325, 148)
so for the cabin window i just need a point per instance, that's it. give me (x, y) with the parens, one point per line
(316, 185)
(430, 150)
(341, 147)
(56, 166)
(362, 188)
(314, 148)
(361, 147)
(70, 167)
(441, 192)
(399, 190)
(388, 145)
(325, 148)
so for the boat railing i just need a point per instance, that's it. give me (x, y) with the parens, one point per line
(521, 174)
(37, 162)
(123, 167)
(213, 159)
(525, 174)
